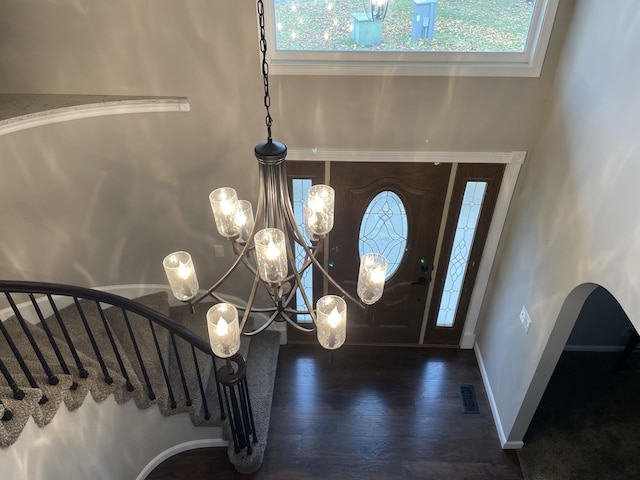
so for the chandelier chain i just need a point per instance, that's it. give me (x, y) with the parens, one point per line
(265, 68)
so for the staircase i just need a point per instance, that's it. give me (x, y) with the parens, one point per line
(143, 350)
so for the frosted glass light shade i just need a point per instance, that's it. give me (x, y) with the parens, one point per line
(319, 209)
(224, 204)
(331, 312)
(243, 218)
(371, 277)
(181, 275)
(224, 330)
(271, 255)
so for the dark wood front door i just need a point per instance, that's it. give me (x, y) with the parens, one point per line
(397, 316)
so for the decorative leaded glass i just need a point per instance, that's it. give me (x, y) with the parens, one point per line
(384, 229)
(459, 259)
(300, 188)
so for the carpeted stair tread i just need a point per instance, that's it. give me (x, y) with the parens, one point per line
(262, 361)
(78, 333)
(22, 410)
(95, 382)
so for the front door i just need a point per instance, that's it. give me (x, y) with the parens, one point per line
(396, 209)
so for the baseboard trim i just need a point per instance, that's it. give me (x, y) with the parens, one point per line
(506, 444)
(594, 348)
(176, 449)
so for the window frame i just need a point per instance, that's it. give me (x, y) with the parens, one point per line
(526, 64)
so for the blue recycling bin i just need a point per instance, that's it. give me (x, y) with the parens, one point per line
(424, 19)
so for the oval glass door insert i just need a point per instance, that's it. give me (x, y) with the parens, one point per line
(384, 229)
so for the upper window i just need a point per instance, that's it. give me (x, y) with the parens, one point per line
(417, 37)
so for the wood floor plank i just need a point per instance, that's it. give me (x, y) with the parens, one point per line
(369, 413)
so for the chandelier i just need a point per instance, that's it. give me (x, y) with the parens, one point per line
(264, 244)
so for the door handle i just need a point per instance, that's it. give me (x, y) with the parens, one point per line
(426, 276)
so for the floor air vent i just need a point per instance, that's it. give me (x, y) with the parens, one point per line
(468, 396)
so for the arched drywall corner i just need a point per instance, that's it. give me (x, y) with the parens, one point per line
(569, 313)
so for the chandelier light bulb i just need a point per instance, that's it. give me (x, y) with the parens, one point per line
(183, 271)
(222, 327)
(334, 318)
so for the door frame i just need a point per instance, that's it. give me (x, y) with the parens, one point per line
(513, 164)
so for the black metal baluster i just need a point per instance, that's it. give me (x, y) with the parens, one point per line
(52, 340)
(81, 370)
(107, 378)
(237, 419)
(172, 399)
(152, 395)
(184, 381)
(247, 430)
(234, 434)
(51, 378)
(252, 425)
(18, 394)
(7, 414)
(205, 405)
(223, 414)
(21, 362)
(123, 370)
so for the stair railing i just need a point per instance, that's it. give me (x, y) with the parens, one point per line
(231, 387)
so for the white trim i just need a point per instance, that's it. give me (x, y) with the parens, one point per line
(507, 188)
(467, 340)
(506, 444)
(176, 449)
(395, 156)
(75, 112)
(526, 64)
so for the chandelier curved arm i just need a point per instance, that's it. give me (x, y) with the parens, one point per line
(240, 258)
(298, 278)
(291, 223)
(295, 324)
(252, 297)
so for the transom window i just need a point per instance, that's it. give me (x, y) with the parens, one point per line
(417, 37)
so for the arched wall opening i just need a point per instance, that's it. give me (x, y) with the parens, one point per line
(587, 424)
(591, 319)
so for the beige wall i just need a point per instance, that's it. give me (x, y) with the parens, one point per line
(100, 201)
(574, 219)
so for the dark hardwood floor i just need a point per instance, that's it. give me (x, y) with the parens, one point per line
(368, 413)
